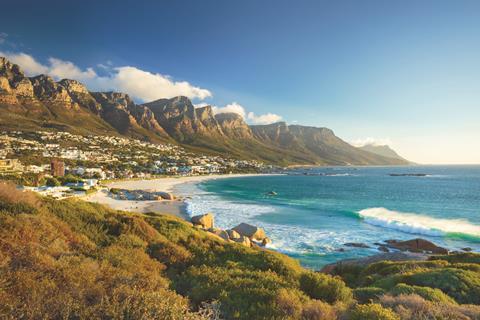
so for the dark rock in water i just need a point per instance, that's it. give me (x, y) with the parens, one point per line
(340, 250)
(383, 248)
(390, 241)
(271, 193)
(356, 245)
(467, 249)
(378, 244)
(418, 245)
(408, 174)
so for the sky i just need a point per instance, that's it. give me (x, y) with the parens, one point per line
(403, 73)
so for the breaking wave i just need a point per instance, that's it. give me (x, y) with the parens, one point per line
(420, 224)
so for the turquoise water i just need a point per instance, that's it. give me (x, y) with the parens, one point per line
(316, 211)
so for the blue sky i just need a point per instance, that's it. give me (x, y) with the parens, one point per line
(405, 72)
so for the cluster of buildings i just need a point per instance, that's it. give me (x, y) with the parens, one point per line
(106, 157)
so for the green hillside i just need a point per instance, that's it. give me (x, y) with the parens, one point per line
(75, 260)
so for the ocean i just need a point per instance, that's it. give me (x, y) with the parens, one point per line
(316, 211)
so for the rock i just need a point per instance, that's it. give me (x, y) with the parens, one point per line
(356, 245)
(383, 249)
(340, 250)
(266, 241)
(253, 232)
(166, 195)
(243, 240)
(467, 249)
(205, 220)
(232, 234)
(219, 232)
(418, 245)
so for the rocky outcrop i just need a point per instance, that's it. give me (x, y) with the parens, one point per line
(417, 245)
(250, 231)
(234, 126)
(206, 221)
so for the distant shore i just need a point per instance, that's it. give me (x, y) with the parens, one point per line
(174, 207)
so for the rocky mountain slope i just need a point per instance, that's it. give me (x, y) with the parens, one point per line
(32, 103)
(384, 151)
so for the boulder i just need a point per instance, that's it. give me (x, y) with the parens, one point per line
(232, 234)
(205, 220)
(244, 240)
(253, 232)
(166, 195)
(266, 241)
(467, 249)
(418, 245)
(219, 232)
(383, 248)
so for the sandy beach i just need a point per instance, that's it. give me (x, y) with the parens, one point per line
(173, 207)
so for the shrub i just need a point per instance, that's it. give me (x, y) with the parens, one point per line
(367, 294)
(324, 287)
(16, 201)
(318, 310)
(372, 311)
(414, 307)
(52, 182)
(288, 304)
(462, 285)
(427, 293)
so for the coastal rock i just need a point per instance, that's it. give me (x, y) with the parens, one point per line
(232, 234)
(356, 245)
(418, 245)
(383, 249)
(467, 249)
(166, 195)
(244, 241)
(250, 231)
(266, 241)
(205, 220)
(219, 232)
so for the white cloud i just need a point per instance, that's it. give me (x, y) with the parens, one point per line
(263, 118)
(28, 64)
(233, 107)
(371, 141)
(249, 117)
(60, 69)
(149, 86)
(141, 85)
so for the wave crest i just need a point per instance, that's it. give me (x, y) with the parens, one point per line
(418, 223)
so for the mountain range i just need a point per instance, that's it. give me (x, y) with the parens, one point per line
(40, 103)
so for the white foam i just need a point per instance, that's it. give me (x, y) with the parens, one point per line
(285, 238)
(417, 223)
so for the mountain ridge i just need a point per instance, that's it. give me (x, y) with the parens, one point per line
(32, 103)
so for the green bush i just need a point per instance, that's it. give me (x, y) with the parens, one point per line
(372, 311)
(367, 294)
(324, 287)
(427, 293)
(52, 182)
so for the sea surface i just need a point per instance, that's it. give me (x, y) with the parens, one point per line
(316, 211)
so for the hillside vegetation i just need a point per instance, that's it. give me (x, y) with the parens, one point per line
(71, 259)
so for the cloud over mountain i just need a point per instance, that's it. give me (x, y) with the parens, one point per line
(140, 84)
(250, 117)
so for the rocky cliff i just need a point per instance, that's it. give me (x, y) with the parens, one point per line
(42, 103)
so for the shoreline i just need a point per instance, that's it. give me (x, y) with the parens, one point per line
(176, 207)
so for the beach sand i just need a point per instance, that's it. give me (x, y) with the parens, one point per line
(174, 207)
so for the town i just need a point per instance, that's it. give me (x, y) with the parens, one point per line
(62, 164)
